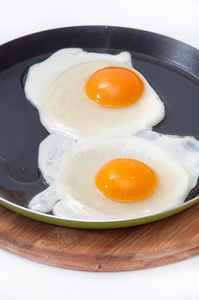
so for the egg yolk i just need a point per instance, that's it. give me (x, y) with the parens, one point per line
(114, 87)
(126, 180)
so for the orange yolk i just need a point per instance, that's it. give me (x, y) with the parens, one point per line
(114, 87)
(126, 180)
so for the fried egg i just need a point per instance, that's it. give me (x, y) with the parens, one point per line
(118, 178)
(89, 96)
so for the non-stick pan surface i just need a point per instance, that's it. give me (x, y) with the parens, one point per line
(170, 66)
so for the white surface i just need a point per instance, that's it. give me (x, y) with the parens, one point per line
(25, 280)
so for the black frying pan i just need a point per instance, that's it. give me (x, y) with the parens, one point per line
(170, 66)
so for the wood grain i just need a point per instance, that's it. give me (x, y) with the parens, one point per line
(146, 246)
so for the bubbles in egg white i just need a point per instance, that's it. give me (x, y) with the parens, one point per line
(70, 169)
(57, 88)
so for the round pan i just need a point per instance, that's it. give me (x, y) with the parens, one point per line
(170, 66)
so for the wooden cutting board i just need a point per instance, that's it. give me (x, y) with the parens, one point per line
(159, 243)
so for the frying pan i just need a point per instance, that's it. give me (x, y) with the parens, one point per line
(170, 66)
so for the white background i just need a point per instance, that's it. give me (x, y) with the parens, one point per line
(26, 280)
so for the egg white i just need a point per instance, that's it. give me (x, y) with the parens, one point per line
(56, 87)
(70, 168)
